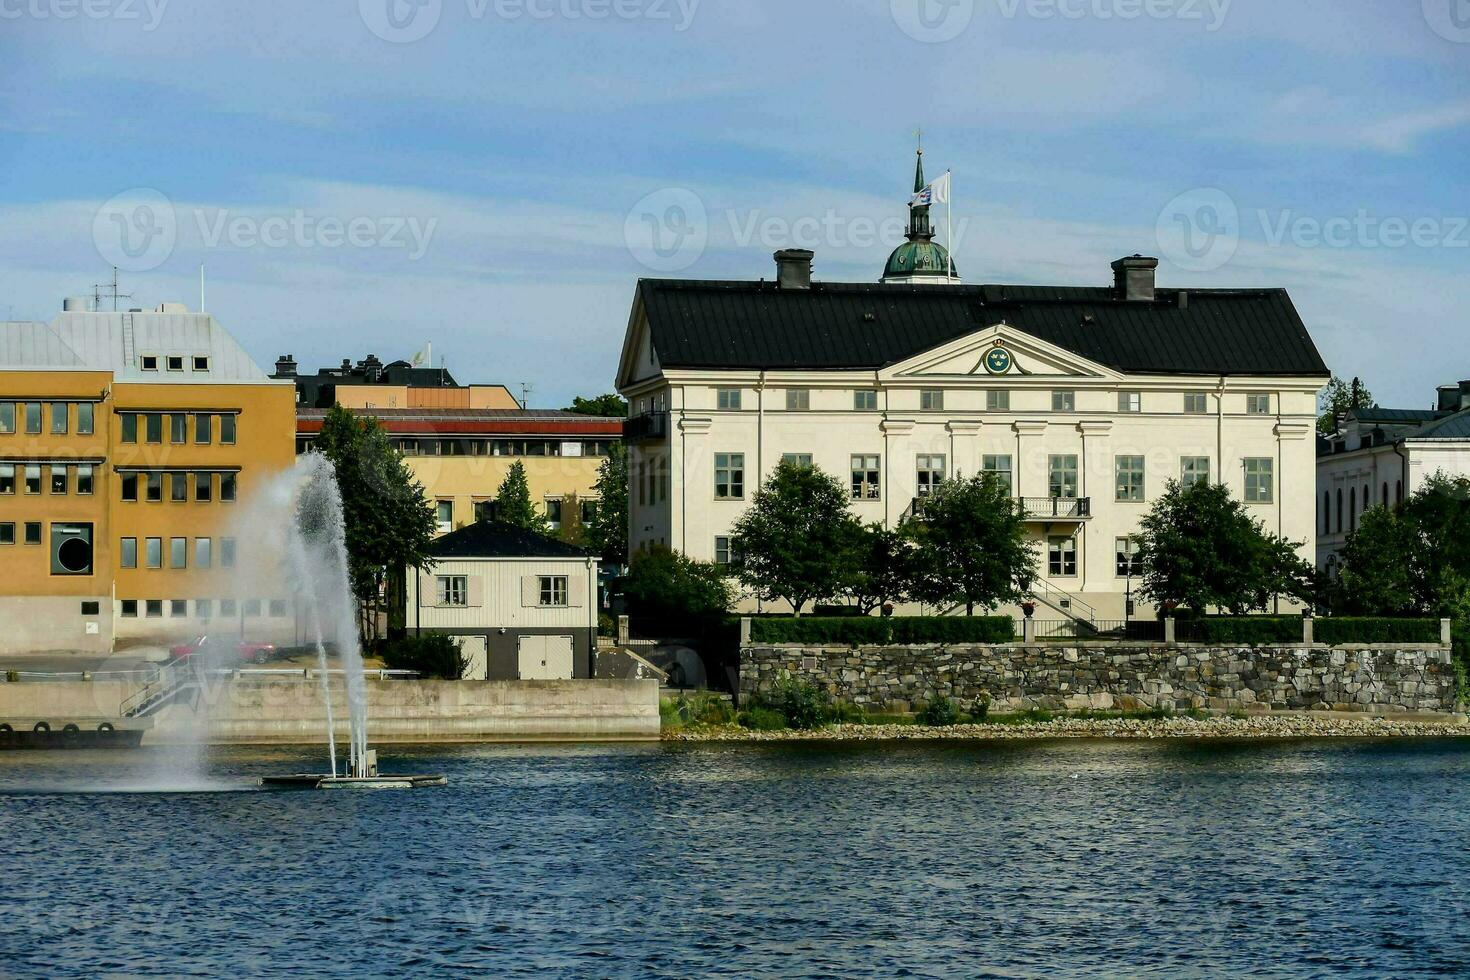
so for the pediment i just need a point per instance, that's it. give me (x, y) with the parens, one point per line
(999, 351)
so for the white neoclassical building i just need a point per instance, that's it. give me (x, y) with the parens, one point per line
(1085, 399)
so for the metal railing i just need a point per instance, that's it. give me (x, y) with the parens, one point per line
(1056, 508)
(1063, 602)
(649, 425)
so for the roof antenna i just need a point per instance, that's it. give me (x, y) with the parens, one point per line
(526, 389)
(98, 287)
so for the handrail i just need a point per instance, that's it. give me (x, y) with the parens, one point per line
(1031, 508)
(1055, 598)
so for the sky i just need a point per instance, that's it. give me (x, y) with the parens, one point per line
(494, 176)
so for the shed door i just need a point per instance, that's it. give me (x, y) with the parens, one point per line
(545, 658)
(477, 648)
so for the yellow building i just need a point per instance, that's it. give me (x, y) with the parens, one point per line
(127, 443)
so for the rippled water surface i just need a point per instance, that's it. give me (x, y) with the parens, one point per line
(1061, 858)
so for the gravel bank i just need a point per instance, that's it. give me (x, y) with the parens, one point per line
(1269, 726)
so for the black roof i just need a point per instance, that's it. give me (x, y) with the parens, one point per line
(854, 326)
(487, 539)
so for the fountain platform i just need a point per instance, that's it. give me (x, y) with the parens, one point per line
(316, 780)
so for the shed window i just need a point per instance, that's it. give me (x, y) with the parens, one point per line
(553, 590)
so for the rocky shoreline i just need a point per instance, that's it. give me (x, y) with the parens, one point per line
(1264, 726)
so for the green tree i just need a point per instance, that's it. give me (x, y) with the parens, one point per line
(387, 518)
(883, 567)
(971, 546)
(794, 539)
(603, 406)
(674, 592)
(607, 532)
(572, 530)
(1338, 398)
(1374, 572)
(513, 504)
(1200, 548)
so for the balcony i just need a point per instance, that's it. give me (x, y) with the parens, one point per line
(1049, 510)
(648, 427)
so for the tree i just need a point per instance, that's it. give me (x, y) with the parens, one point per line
(675, 591)
(387, 518)
(572, 530)
(603, 406)
(513, 504)
(1338, 398)
(1374, 570)
(882, 567)
(1200, 548)
(971, 546)
(793, 541)
(608, 530)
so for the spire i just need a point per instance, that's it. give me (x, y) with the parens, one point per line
(919, 167)
(919, 229)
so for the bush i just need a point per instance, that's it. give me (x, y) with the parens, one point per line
(697, 708)
(430, 654)
(762, 719)
(1258, 630)
(804, 706)
(1375, 629)
(674, 593)
(869, 630)
(606, 625)
(939, 713)
(1252, 630)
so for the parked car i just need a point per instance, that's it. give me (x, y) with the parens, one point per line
(244, 650)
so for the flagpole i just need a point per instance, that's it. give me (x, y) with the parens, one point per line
(949, 223)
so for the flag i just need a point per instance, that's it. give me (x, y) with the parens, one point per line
(935, 192)
(425, 356)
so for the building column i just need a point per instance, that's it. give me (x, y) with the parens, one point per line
(964, 436)
(893, 504)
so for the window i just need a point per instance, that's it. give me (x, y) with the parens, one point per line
(452, 590)
(127, 551)
(1062, 476)
(91, 607)
(1061, 556)
(277, 608)
(153, 429)
(178, 608)
(1063, 401)
(178, 487)
(929, 474)
(867, 482)
(251, 609)
(1000, 468)
(7, 532)
(1127, 557)
(1194, 469)
(33, 418)
(1129, 470)
(1258, 404)
(129, 483)
(129, 609)
(864, 401)
(178, 429)
(58, 480)
(1130, 401)
(148, 362)
(553, 590)
(33, 478)
(444, 515)
(998, 400)
(7, 478)
(798, 399)
(1327, 510)
(153, 552)
(800, 460)
(1339, 510)
(178, 552)
(155, 487)
(86, 422)
(204, 608)
(203, 487)
(7, 418)
(728, 399)
(60, 416)
(33, 532)
(228, 607)
(203, 429)
(1196, 403)
(227, 430)
(201, 362)
(724, 552)
(227, 483)
(931, 400)
(153, 608)
(1352, 511)
(589, 511)
(129, 427)
(729, 476)
(1259, 480)
(553, 513)
(175, 362)
(203, 552)
(84, 478)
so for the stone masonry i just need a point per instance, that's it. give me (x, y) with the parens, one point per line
(1381, 679)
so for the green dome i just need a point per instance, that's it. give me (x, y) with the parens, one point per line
(919, 258)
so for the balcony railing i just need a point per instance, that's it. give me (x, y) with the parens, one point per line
(1032, 508)
(649, 425)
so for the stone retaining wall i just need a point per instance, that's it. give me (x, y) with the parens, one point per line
(1381, 679)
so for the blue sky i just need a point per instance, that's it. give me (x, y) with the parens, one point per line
(503, 178)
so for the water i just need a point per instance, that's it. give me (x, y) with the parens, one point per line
(1154, 859)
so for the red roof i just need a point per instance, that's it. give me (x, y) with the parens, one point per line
(487, 423)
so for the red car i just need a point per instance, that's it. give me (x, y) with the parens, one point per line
(245, 652)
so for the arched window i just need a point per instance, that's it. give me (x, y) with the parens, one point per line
(1385, 493)
(1366, 498)
(1398, 493)
(1339, 510)
(1326, 512)
(1352, 511)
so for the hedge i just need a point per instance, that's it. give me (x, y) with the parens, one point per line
(1333, 631)
(1375, 629)
(870, 630)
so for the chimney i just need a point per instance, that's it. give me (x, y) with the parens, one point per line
(1133, 279)
(794, 268)
(285, 366)
(1464, 395)
(76, 304)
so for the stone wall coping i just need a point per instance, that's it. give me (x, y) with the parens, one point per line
(1103, 645)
